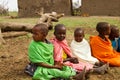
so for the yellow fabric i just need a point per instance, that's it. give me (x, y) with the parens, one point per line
(64, 56)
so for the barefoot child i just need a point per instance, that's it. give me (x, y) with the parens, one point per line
(101, 45)
(41, 53)
(81, 48)
(115, 38)
(63, 54)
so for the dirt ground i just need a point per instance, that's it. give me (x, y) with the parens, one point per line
(14, 58)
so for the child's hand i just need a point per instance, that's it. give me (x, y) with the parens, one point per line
(58, 65)
(74, 60)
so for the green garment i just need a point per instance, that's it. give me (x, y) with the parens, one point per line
(43, 52)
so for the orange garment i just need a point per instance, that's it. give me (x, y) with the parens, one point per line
(103, 50)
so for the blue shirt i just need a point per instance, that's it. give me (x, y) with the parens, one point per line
(116, 44)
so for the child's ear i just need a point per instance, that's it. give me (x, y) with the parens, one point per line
(44, 34)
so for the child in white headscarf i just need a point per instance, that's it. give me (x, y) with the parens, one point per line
(81, 48)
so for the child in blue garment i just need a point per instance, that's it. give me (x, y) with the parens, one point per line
(114, 37)
(119, 45)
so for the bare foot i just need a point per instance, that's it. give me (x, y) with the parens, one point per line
(98, 64)
(102, 69)
(107, 68)
(81, 75)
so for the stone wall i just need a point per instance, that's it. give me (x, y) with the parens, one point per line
(27, 8)
(101, 7)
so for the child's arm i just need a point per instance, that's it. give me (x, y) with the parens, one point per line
(57, 63)
(48, 66)
(72, 59)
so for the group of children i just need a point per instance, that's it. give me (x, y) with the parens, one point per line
(101, 45)
(55, 59)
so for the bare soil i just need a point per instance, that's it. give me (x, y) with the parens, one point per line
(14, 58)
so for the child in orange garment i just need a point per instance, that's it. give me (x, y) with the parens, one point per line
(101, 45)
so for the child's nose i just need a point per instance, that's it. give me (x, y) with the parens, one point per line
(62, 34)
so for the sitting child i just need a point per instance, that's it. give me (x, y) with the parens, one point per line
(63, 54)
(40, 52)
(81, 48)
(114, 37)
(101, 45)
(118, 45)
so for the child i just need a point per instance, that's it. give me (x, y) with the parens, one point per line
(41, 53)
(63, 54)
(101, 45)
(114, 37)
(81, 48)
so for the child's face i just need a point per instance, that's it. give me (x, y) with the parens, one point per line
(79, 35)
(115, 33)
(60, 34)
(107, 31)
(37, 35)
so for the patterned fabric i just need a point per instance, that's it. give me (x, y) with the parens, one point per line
(30, 69)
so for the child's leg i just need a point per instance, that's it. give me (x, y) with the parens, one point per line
(81, 75)
(101, 70)
(66, 72)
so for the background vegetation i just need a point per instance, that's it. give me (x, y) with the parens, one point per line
(71, 22)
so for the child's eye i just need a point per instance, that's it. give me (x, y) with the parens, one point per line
(31, 32)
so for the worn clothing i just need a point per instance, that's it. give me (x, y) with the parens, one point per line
(103, 50)
(116, 44)
(59, 46)
(43, 52)
(82, 51)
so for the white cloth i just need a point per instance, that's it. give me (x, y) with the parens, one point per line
(82, 51)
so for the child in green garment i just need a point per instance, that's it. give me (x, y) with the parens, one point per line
(40, 52)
